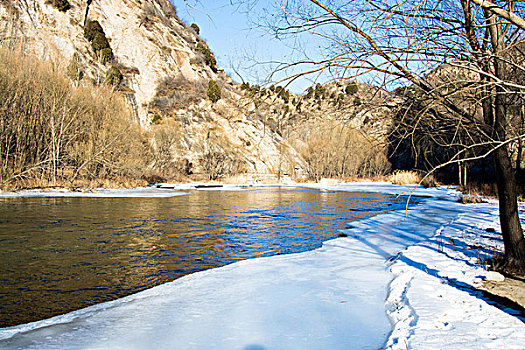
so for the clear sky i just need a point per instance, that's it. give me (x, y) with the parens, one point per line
(238, 42)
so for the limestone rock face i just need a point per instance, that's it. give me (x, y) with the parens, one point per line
(166, 69)
(146, 37)
(149, 39)
(150, 44)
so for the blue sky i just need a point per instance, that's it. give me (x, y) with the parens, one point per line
(238, 43)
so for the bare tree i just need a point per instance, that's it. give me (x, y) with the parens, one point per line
(462, 61)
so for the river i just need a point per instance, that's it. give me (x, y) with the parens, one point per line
(62, 254)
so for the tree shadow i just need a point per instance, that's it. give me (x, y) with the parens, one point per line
(505, 304)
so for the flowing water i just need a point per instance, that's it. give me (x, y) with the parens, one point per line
(62, 254)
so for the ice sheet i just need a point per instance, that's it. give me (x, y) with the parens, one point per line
(146, 192)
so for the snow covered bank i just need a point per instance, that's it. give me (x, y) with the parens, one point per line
(329, 298)
(433, 301)
(445, 193)
(141, 192)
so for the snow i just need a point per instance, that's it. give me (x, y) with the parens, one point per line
(433, 300)
(404, 279)
(142, 192)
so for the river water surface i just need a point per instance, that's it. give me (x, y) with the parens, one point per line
(62, 254)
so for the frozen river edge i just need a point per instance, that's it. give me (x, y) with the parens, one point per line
(332, 297)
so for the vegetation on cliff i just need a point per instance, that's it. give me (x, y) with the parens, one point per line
(61, 5)
(214, 91)
(52, 132)
(94, 33)
(207, 55)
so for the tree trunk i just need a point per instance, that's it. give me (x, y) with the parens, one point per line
(520, 155)
(514, 260)
(521, 130)
(460, 175)
(465, 169)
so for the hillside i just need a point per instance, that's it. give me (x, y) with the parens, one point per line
(164, 70)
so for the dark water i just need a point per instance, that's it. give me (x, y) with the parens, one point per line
(61, 254)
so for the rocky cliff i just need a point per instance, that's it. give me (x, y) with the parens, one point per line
(147, 39)
(164, 69)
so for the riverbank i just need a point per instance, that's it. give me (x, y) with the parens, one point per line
(332, 297)
(439, 296)
(123, 182)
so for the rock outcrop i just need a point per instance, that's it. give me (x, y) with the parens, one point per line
(164, 68)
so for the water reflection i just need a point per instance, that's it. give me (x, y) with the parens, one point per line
(61, 254)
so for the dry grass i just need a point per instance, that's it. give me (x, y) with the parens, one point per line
(471, 199)
(81, 183)
(479, 189)
(405, 177)
(332, 150)
(375, 178)
(52, 132)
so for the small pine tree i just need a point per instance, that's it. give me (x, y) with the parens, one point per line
(284, 94)
(196, 28)
(309, 92)
(351, 89)
(61, 5)
(157, 119)
(214, 91)
(91, 29)
(100, 42)
(105, 55)
(113, 76)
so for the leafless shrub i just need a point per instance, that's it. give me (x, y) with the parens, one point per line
(52, 131)
(477, 189)
(75, 70)
(198, 60)
(189, 38)
(429, 181)
(164, 12)
(9, 5)
(219, 163)
(175, 92)
(148, 15)
(171, 84)
(336, 151)
(164, 143)
(219, 158)
(168, 8)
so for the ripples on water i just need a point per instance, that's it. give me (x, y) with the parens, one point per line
(61, 254)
